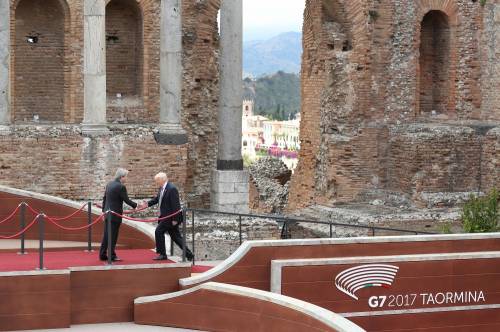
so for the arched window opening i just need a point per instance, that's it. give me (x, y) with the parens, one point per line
(434, 63)
(123, 50)
(39, 82)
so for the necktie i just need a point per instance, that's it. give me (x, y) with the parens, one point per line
(161, 197)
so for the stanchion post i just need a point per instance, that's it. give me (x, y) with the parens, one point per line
(22, 222)
(171, 247)
(284, 230)
(89, 231)
(41, 236)
(183, 235)
(192, 235)
(108, 228)
(239, 224)
(331, 229)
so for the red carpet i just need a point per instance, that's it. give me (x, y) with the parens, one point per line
(56, 260)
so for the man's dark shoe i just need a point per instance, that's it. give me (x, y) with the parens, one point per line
(190, 258)
(160, 258)
(116, 259)
(103, 258)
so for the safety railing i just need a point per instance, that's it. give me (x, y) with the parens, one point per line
(41, 218)
(283, 221)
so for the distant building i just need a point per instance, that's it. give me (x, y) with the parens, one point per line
(283, 134)
(248, 106)
(252, 129)
(279, 137)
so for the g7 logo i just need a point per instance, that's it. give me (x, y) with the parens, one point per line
(377, 301)
(392, 301)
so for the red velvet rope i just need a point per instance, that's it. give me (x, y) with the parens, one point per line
(20, 232)
(127, 211)
(76, 228)
(54, 220)
(11, 215)
(71, 215)
(59, 218)
(31, 209)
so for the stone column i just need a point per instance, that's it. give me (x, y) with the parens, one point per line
(170, 129)
(230, 181)
(94, 67)
(4, 63)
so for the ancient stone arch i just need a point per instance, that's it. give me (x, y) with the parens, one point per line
(124, 49)
(39, 60)
(436, 65)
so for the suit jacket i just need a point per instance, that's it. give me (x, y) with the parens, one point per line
(170, 203)
(114, 196)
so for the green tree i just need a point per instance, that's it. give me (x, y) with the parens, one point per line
(480, 214)
(276, 95)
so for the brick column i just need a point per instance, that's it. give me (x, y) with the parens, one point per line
(4, 62)
(94, 67)
(230, 181)
(170, 129)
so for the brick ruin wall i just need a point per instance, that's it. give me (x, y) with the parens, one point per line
(61, 162)
(367, 99)
(51, 156)
(398, 95)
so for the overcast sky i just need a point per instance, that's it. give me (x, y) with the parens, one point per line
(263, 19)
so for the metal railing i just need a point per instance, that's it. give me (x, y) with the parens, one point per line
(283, 221)
(41, 219)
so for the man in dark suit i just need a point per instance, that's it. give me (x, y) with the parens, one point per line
(169, 203)
(114, 196)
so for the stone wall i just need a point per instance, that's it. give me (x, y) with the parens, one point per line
(370, 118)
(59, 161)
(400, 95)
(124, 56)
(490, 78)
(38, 42)
(268, 187)
(490, 165)
(434, 158)
(51, 156)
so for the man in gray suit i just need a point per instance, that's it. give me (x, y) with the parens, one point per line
(114, 196)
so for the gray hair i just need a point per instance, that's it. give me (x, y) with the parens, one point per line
(161, 176)
(121, 173)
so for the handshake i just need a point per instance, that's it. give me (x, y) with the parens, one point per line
(142, 206)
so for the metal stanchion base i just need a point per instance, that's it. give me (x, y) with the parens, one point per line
(86, 250)
(39, 269)
(22, 253)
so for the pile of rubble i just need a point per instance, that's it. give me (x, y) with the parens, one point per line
(270, 177)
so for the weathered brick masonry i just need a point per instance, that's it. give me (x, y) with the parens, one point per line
(52, 156)
(398, 95)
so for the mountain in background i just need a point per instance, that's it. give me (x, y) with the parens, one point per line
(276, 96)
(280, 53)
